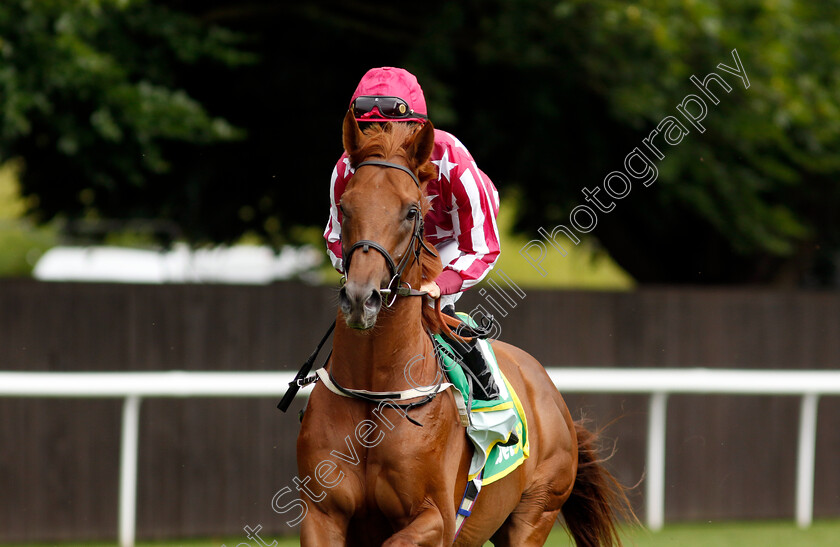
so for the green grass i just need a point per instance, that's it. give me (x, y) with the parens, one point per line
(724, 534)
(728, 534)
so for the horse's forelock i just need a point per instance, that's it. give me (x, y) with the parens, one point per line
(389, 141)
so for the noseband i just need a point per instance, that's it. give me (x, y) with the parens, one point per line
(394, 287)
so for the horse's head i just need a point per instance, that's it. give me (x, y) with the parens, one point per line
(382, 212)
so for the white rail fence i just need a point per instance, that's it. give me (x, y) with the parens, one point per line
(132, 387)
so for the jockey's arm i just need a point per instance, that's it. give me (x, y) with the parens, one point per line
(340, 175)
(474, 219)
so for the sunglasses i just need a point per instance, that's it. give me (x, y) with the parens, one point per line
(389, 107)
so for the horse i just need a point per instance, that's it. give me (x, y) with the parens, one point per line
(393, 474)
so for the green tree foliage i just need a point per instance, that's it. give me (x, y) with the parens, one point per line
(556, 94)
(549, 95)
(21, 243)
(93, 100)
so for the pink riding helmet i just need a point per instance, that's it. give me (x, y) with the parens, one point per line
(389, 81)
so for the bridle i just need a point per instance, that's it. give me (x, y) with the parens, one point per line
(395, 285)
(394, 289)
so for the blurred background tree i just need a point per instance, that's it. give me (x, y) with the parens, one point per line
(224, 117)
(94, 104)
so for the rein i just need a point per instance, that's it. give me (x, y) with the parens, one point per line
(463, 332)
(395, 287)
(300, 378)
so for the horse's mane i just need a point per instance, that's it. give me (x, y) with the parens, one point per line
(391, 140)
(430, 267)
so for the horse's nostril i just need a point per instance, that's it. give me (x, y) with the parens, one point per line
(343, 300)
(374, 301)
(355, 299)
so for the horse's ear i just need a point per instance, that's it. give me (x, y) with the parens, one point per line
(352, 134)
(421, 146)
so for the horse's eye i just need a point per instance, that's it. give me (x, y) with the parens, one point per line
(412, 214)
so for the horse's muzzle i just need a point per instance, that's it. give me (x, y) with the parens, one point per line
(360, 304)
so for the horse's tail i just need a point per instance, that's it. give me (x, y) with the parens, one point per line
(597, 499)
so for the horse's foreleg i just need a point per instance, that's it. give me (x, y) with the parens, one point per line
(427, 529)
(320, 529)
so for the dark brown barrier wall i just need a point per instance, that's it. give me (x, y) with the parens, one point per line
(209, 467)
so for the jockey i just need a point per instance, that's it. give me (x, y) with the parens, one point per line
(461, 222)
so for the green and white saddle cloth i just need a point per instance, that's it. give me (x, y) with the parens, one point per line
(490, 422)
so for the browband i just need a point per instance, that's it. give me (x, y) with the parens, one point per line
(393, 165)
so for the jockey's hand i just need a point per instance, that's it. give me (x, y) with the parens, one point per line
(431, 288)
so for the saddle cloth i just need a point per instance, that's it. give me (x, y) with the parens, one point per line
(491, 422)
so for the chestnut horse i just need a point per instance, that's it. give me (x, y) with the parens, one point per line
(377, 478)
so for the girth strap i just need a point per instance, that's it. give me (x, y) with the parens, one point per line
(467, 502)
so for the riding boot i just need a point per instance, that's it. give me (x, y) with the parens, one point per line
(470, 357)
(475, 362)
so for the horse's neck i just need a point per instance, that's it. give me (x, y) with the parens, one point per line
(386, 357)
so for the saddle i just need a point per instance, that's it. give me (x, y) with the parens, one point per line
(497, 427)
